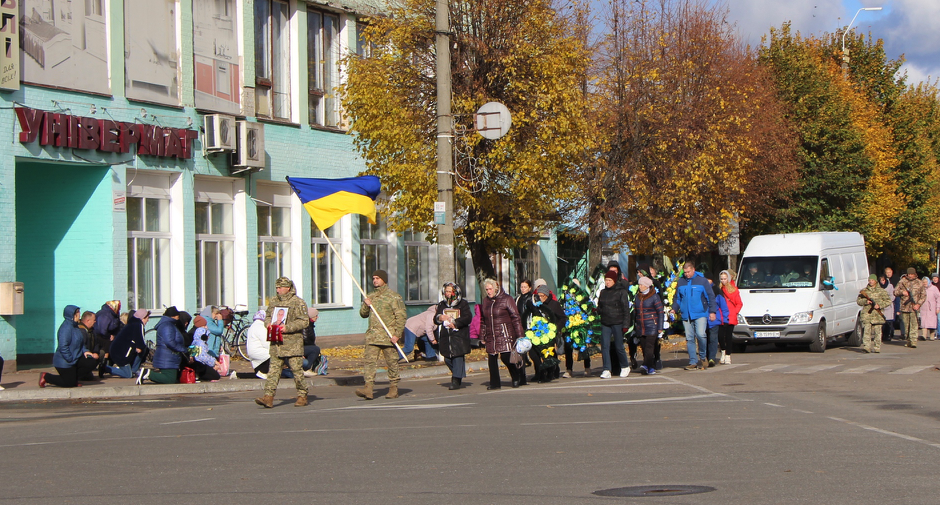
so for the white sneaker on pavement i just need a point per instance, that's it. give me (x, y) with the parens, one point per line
(566, 375)
(309, 373)
(625, 371)
(262, 376)
(605, 374)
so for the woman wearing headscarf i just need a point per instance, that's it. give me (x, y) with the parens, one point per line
(71, 359)
(257, 346)
(453, 335)
(543, 305)
(929, 310)
(500, 327)
(203, 363)
(129, 348)
(649, 322)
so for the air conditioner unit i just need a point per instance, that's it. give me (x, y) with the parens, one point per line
(220, 133)
(250, 152)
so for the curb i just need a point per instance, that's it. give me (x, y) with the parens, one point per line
(223, 386)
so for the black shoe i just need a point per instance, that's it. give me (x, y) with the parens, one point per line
(515, 384)
(459, 382)
(454, 384)
(488, 388)
(101, 371)
(633, 364)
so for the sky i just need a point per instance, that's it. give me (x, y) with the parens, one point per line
(908, 27)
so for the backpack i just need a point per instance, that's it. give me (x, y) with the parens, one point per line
(321, 369)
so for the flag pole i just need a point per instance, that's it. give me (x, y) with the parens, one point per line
(364, 295)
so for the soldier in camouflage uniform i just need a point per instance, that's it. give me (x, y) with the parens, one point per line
(873, 300)
(292, 349)
(391, 308)
(913, 294)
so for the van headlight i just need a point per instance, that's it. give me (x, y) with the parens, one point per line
(802, 317)
(741, 319)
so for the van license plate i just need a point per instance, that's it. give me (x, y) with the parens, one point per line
(766, 334)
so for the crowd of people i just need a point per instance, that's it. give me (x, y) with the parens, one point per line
(633, 321)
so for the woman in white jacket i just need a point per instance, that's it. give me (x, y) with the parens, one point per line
(258, 346)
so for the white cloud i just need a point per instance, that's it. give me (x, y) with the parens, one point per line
(755, 18)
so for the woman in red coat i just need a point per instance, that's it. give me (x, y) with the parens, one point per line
(725, 330)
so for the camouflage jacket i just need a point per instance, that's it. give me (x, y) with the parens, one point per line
(914, 293)
(878, 296)
(294, 323)
(392, 309)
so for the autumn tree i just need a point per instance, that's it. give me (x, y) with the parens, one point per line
(691, 130)
(522, 53)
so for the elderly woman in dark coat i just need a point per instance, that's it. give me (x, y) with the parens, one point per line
(453, 335)
(500, 327)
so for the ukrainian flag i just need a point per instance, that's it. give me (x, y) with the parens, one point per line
(327, 200)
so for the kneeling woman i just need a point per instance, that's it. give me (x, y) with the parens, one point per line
(171, 348)
(454, 317)
(500, 326)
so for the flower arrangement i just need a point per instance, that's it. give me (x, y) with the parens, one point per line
(542, 334)
(583, 325)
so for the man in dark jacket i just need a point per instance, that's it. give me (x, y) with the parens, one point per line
(695, 300)
(614, 308)
(71, 359)
(107, 325)
(129, 348)
(311, 349)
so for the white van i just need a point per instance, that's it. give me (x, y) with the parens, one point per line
(801, 288)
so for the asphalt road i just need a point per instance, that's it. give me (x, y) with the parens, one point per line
(776, 427)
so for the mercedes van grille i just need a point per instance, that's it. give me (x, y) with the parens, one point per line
(758, 321)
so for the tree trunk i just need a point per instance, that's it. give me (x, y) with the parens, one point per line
(595, 237)
(480, 255)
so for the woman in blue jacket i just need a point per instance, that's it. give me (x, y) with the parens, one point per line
(171, 349)
(71, 359)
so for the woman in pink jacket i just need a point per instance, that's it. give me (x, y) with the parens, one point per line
(726, 329)
(929, 310)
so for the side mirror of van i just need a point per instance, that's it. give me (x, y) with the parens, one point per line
(828, 284)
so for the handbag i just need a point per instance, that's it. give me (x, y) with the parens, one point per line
(187, 376)
(225, 362)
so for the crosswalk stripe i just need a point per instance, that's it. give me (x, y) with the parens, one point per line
(909, 370)
(812, 369)
(863, 369)
(767, 368)
(725, 367)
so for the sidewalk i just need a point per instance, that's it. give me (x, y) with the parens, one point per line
(23, 385)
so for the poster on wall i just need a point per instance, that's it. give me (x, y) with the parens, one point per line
(216, 56)
(10, 45)
(65, 44)
(151, 52)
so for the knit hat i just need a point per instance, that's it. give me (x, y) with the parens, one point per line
(171, 311)
(312, 312)
(141, 313)
(911, 271)
(260, 315)
(645, 281)
(611, 275)
(542, 289)
(381, 274)
(283, 282)
(539, 282)
(199, 321)
(873, 277)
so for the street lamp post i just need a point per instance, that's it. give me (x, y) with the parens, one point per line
(845, 56)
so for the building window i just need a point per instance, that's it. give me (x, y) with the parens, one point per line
(274, 252)
(417, 267)
(363, 48)
(373, 248)
(215, 254)
(322, 72)
(272, 59)
(325, 268)
(526, 262)
(148, 252)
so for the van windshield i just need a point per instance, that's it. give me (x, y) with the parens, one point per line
(778, 272)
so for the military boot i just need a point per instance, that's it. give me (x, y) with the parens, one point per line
(301, 401)
(365, 391)
(266, 401)
(392, 391)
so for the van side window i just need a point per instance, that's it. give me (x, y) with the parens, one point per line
(823, 271)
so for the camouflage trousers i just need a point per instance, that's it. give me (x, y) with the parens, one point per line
(274, 374)
(371, 357)
(871, 337)
(911, 328)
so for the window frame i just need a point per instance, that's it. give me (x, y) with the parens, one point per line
(279, 242)
(264, 31)
(334, 270)
(413, 243)
(133, 237)
(376, 230)
(323, 73)
(218, 238)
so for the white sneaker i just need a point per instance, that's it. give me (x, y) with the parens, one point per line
(727, 359)
(624, 372)
(2, 388)
(440, 358)
(605, 374)
(262, 376)
(309, 373)
(566, 375)
(232, 375)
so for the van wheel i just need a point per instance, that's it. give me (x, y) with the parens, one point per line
(855, 338)
(819, 344)
(738, 348)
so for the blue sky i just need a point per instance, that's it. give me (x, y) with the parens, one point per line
(909, 27)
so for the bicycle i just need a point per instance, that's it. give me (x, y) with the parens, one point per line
(235, 338)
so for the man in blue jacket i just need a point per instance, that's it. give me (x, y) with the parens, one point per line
(695, 302)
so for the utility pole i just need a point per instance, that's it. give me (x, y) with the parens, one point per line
(444, 208)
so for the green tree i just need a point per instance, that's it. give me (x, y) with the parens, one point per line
(522, 53)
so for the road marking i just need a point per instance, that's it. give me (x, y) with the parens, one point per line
(647, 400)
(767, 368)
(886, 432)
(812, 369)
(719, 368)
(605, 384)
(773, 404)
(802, 411)
(909, 370)
(190, 421)
(398, 407)
(862, 369)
